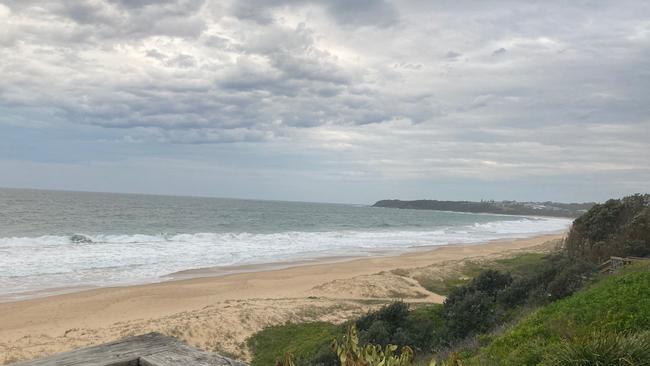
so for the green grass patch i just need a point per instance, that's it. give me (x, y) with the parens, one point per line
(519, 265)
(305, 341)
(618, 304)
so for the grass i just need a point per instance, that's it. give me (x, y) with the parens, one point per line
(303, 341)
(613, 349)
(520, 264)
(619, 304)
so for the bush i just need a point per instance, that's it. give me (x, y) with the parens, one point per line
(491, 282)
(393, 315)
(559, 276)
(472, 309)
(396, 324)
(615, 228)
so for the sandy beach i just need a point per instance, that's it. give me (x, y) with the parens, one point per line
(218, 313)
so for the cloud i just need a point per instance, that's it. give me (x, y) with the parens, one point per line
(379, 13)
(451, 55)
(365, 87)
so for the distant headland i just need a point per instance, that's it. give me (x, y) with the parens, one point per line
(496, 207)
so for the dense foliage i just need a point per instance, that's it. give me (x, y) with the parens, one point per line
(618, 227)
(396, 324)
(494, 297)
(500, 207)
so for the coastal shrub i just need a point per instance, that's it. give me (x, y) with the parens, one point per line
(612, 349)
(558, 276)
(472, 308)
(397, 324)
(494, 298)
(618, 227)
(393, 315)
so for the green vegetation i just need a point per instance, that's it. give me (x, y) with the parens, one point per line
(501, 207)
(613, 349)
(396, 324)
(531, 309)
(444, 285)
(349, 352)
(615, 305)
(308, 343)
(518, 265)
(615, 228)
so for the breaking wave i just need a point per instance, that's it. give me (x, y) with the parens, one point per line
(36, 263)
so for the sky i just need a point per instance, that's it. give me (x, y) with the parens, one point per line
(327, 101)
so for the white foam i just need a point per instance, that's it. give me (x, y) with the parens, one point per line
(39, 263)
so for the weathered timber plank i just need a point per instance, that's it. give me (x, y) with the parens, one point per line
(151, 349)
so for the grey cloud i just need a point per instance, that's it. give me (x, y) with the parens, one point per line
(451, 55)
(182, 61)
(364, 12)
(141, 3)
(407, 66)
(103, 20)
(154, 53)
(356, 13)
(369, 88)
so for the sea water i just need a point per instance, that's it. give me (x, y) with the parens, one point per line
(53, 241)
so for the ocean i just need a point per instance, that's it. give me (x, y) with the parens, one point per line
(55, 241)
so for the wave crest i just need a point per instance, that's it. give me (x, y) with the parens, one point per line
(33, 263)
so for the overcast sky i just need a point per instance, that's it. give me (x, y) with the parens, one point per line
(335, 101)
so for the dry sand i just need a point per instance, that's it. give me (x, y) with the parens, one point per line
(220, 313)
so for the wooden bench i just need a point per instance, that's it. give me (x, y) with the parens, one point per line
(152, 349)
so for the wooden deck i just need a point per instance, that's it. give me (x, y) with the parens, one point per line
(152, 349)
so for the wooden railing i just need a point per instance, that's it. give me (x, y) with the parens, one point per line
(613, 264)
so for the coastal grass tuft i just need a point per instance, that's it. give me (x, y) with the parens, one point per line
(613, 349)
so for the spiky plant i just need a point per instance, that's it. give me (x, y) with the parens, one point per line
(351, 354)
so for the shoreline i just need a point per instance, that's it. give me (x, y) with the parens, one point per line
(219, 271)
(220, 312)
